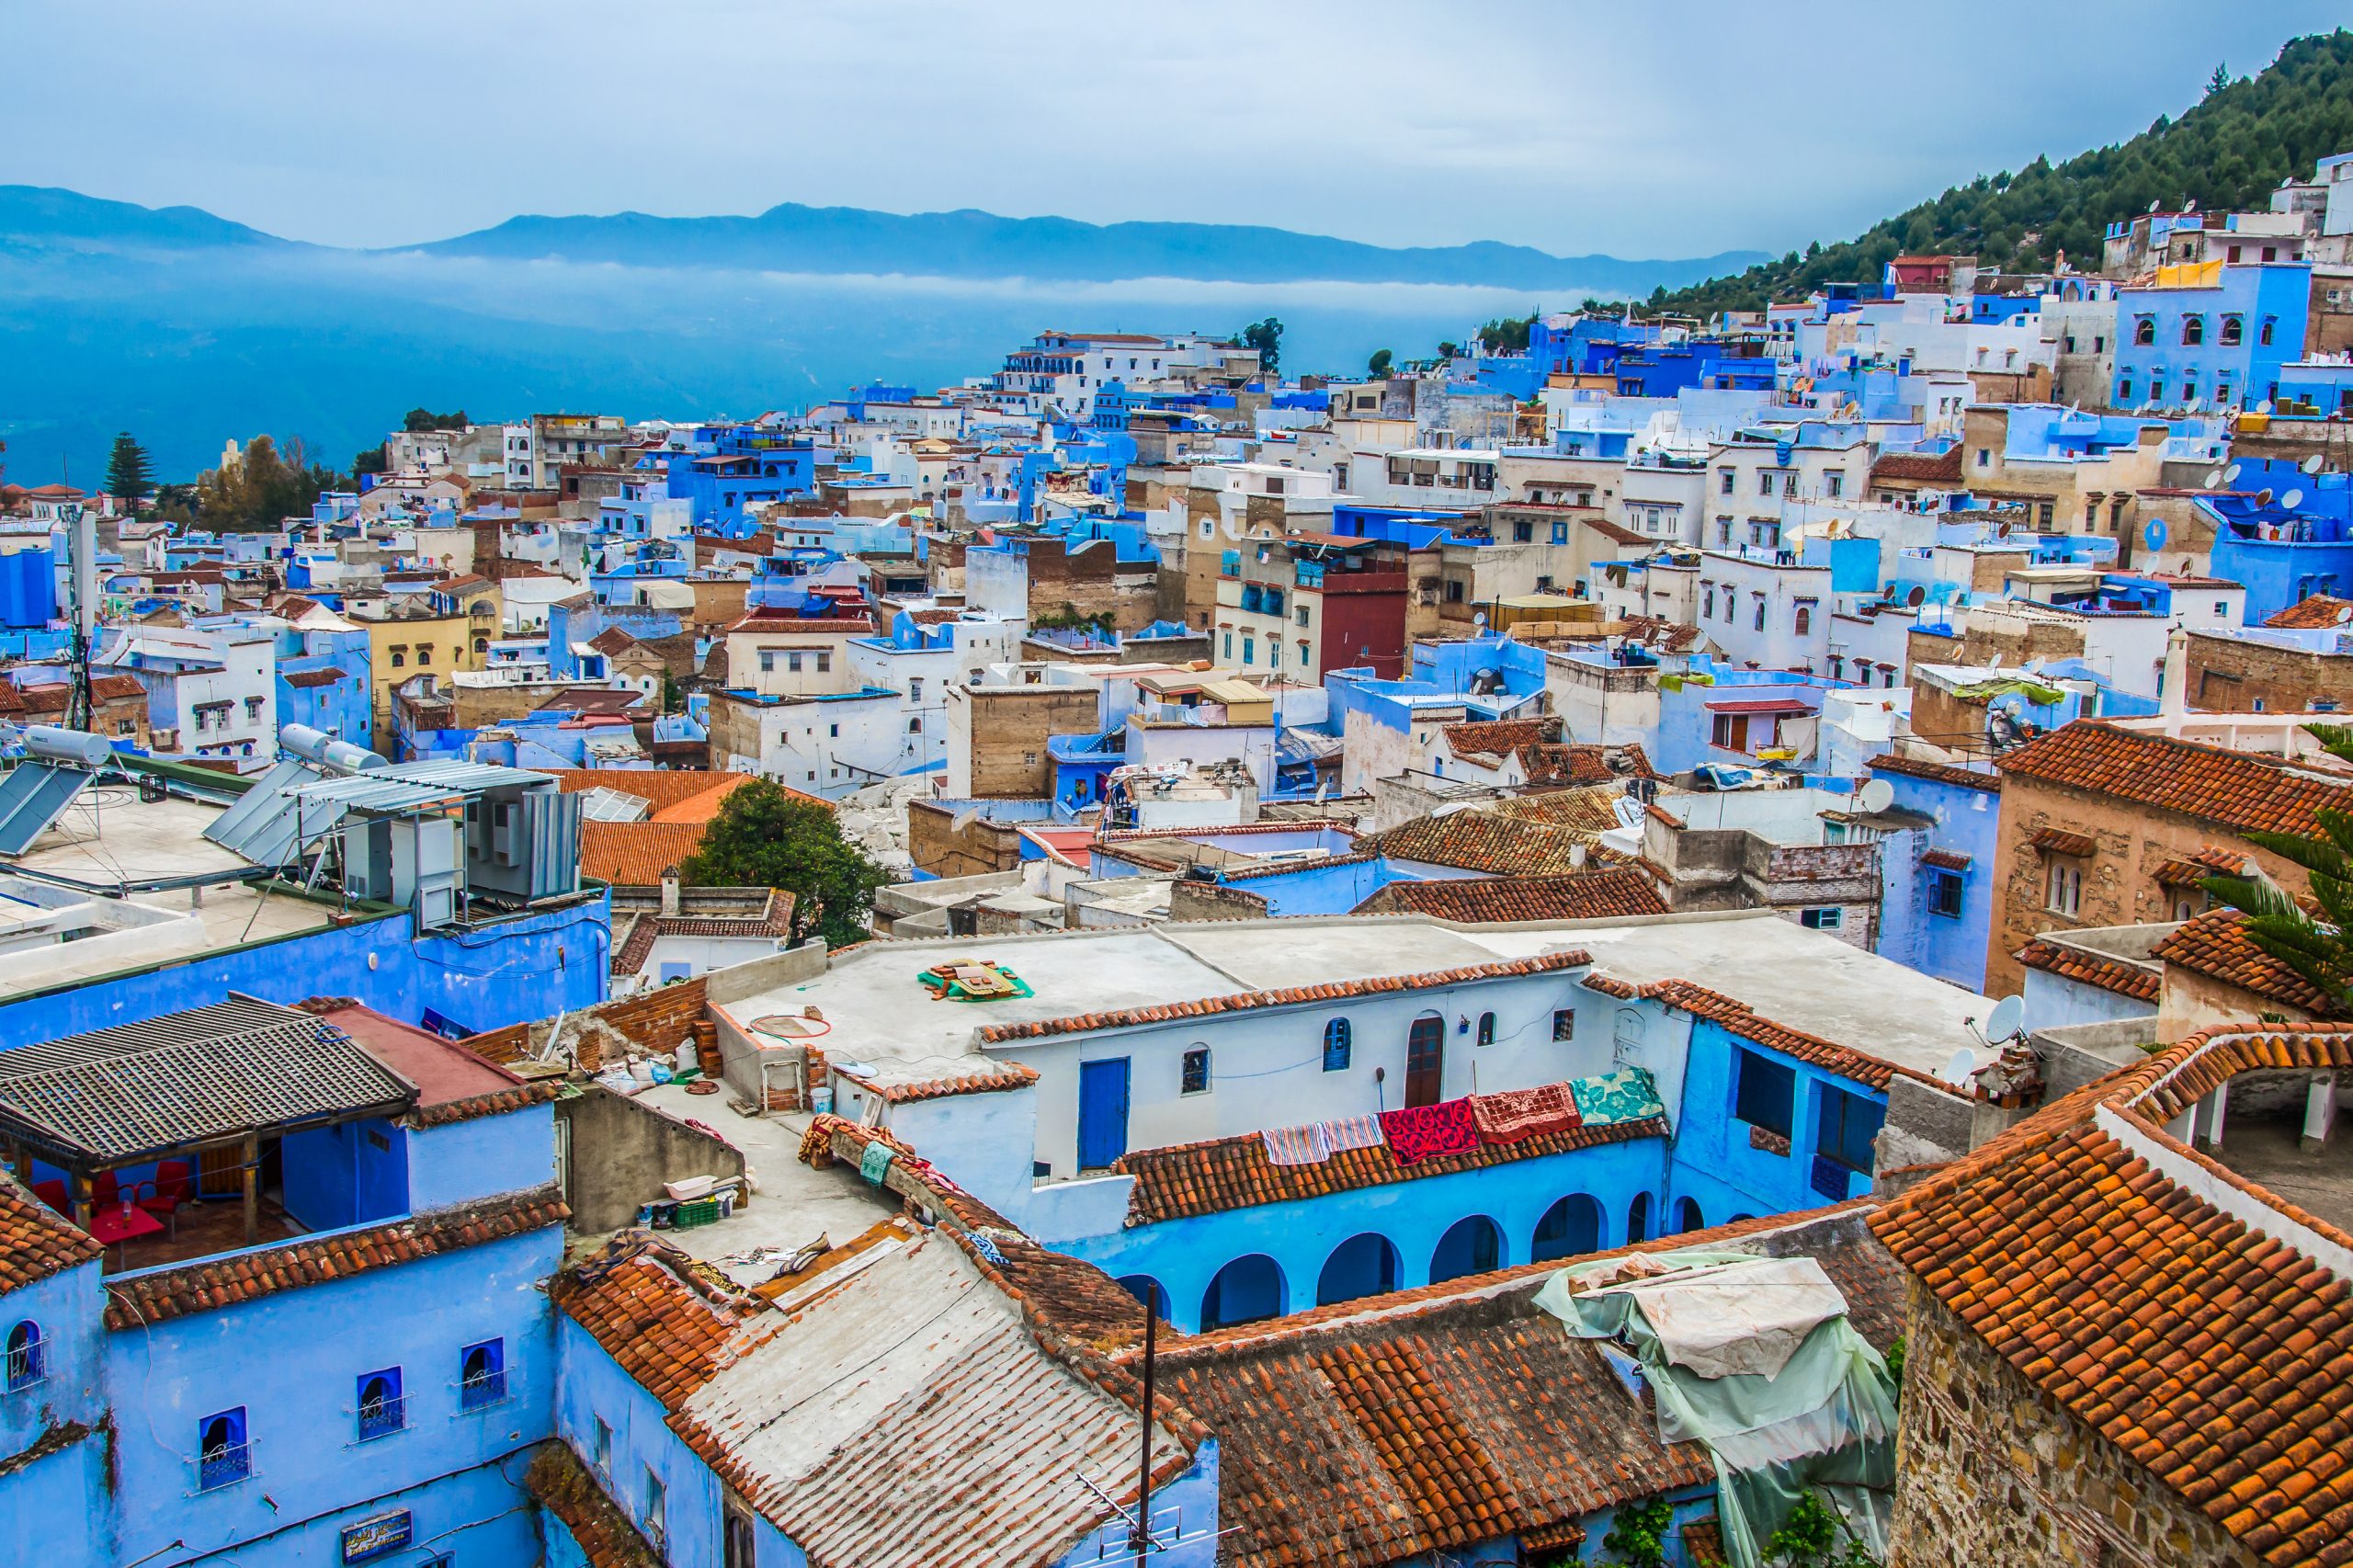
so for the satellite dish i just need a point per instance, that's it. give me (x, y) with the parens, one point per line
(1957, 1070)
(2214, 480)
(2263, 497)
(2313, 463)
(2264, 407)
(1917, 596)
(2155, 534)
(1875, 797)
(1626, 809)
(1480, 619)
(2004, 1020)
(2291, 500)
(2231, 474)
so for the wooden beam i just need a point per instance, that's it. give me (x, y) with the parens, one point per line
(252, 1152)
(78, 1185)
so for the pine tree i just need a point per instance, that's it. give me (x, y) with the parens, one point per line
(129, 476)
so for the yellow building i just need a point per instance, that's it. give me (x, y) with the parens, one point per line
(399, 650)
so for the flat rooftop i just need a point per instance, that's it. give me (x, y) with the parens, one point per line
(108, 837)
(882, 1019)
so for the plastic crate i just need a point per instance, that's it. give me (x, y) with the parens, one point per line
(698, 1211)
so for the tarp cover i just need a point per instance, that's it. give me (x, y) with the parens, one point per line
(1822, 1420)
(1730, 1318)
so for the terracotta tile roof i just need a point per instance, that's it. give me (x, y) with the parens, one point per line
(1946, 859)
(1942, 772)
(1920, 468)
(304, 680)
(605, 1535)
(635, 854)
(2121, 976)
(2209, 861)
(1181, 1181)
(844, 626)
(675, 794)
(2235, 789)
(613, 640)
(2078, 1247)
(36, 1241)
(1581, 895)
(142, 1300)
(1395, 1428)
(1130, 1018)
(1009, 1075)
(2215, 944)
(1494, 841)
(647, 928)
(665, 1320)
(2058, 841)
(2316, 612)
(1586, 811)
(1499, 737)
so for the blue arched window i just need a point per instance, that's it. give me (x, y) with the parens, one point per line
(1337, 1042)
(28, 1361)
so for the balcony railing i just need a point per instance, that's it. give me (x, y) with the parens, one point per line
(225, 1466)
(379, 1418)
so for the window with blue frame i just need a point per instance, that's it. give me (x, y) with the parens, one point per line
(1944, 894)
(381, 1409)
(1338, 1044)
(1847, 1124)
(28, 1359)
(481, 1375)
(1764, 1091)
(1486, 1029)
(223, 1457)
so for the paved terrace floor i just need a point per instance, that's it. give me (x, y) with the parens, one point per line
(2267, 1148)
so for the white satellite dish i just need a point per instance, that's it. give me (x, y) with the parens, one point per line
(2214, 480)
(1480, 619)
(2264, 407)
(2004, 1020)
(2313, 463)
(2231, 474)
(2291, 500)
(1957, 1070)
(1875, 797)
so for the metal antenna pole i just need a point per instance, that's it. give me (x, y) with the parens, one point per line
(1140, 1535)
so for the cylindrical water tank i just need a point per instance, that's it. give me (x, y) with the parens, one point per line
(323, 750)
(52, 744)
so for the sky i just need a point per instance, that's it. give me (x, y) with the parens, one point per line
(1578, 126)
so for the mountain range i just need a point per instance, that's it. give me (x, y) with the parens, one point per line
(188, 329)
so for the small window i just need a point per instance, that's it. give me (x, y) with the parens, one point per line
(1564, 1024)
(2063, 887)
(1487, 1028)
(1194, 1078)
(915, 725)
(1764, 1091)
(481, 1375)
(424, 654)
(792, 664)
(2145, 332)
(2233, 331)
(603, 1451)
(1944, 894)
(1828, 919)
(28, 1361)
(657, 1505)
(1803, 620)
(2193, 331)
(223, 1457)
(399, 659)
(1339, 1044)
(1848, 1124)
(767, 661)
(381, 1409)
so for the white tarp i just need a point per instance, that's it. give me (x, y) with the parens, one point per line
(1737, 1317)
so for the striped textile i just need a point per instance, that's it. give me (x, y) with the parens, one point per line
(1353, 1132)
(1296, 1145)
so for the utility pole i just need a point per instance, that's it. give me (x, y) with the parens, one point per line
(1140, 1534)
(82, 579)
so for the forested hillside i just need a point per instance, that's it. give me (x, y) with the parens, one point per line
(2232, 149)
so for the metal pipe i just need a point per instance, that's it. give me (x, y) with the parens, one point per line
(1139, 1537)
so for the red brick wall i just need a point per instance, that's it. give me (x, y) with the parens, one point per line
(655, 1022)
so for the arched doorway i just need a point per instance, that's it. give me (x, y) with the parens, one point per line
(1425, 1061)
(1364, 1264)
(1244, 1290)
(1687, 1215)
(1568, 1227)
(1638, 1218)
(1147, 1290)
(1474, 1245)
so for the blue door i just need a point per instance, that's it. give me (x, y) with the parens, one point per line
(1102, 1113)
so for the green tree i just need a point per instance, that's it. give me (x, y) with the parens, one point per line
(1508, 335)
(769, 837)
(1813, 1536)
(264, 486)
(2320, 949)
(1267, 337)
(369, 460)
(2219, 79)
(1378, 365)
(1638, 1533)
(418, 420)
(129, 476)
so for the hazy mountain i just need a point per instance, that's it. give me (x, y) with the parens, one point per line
(967, 244)
(188, 329)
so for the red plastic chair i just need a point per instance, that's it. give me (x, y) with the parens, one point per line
(52, 1193)
(174, 1184)
(105, 1190)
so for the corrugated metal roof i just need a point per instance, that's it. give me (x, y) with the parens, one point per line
(412, 786)
(121, 1094)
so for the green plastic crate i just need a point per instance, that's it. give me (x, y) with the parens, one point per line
(696, 1211)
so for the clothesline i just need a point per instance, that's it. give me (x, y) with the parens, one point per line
(1459, 1125)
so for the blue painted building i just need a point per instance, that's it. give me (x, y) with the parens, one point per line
(2215, 336)
(1935, 913)
(2284, 534)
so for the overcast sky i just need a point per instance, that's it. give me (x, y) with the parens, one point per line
(1641, 129)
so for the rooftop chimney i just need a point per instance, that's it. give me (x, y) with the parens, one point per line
(670, 892)
(2174, 698)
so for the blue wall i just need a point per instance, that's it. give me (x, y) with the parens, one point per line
(1947, 946)
(1714, 1164)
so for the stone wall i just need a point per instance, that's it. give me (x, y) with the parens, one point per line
(1992, 1472)
(935, 844)
(1010, 726)
(1192, 900)
(2227, 674)
(653, 1023)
